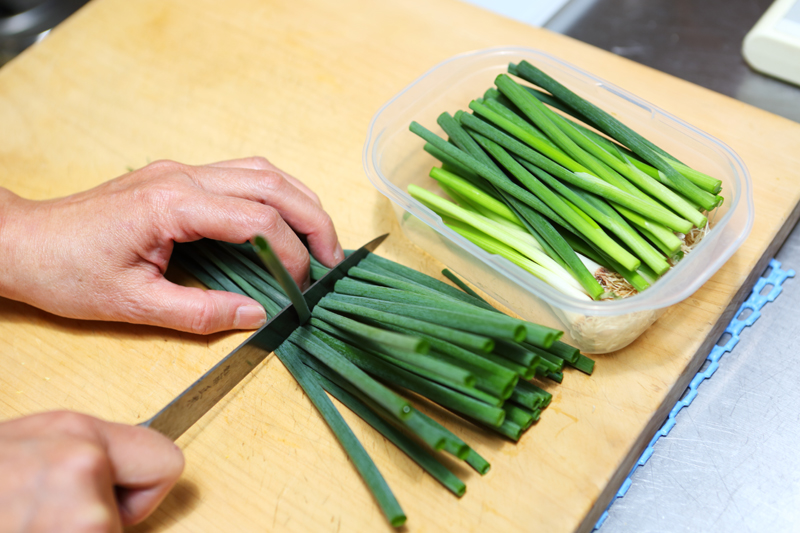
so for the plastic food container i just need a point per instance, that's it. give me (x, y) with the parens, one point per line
(394, 158)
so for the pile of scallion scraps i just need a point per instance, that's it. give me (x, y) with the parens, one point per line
(594, 216)
(387, 329)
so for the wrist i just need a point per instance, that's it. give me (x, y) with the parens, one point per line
(12, 213)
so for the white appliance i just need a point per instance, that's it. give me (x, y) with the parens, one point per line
(773, 45)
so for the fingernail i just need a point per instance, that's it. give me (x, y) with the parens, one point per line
(338, 254)
(250, 317)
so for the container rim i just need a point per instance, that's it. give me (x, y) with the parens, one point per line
(661, 294)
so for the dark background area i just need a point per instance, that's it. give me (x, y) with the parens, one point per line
(696, 40)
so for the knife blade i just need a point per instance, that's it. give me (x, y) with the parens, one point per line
(189, 406)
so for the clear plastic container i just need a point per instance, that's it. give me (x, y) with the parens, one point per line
(394, 158)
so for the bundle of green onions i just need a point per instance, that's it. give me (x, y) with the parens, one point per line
(387, 328)
(564, 190)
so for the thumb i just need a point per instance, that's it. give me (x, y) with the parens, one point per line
(146, 466)
(198, 311)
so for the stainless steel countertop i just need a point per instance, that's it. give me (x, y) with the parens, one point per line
(697, 40)
(731, 463)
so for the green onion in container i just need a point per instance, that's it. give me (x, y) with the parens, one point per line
(638, 144)
(529, 183)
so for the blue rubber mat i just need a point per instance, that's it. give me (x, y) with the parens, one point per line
(765, 290)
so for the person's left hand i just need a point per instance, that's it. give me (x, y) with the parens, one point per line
(101, 254)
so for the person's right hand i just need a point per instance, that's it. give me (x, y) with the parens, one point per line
(66, 472)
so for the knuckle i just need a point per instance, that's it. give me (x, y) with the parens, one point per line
(325, 221)
(267, 218)
(204, 320)
(74, 423)
(162, 193)
(164, 165)
(259, 162)
(84, 460)
(271, 181)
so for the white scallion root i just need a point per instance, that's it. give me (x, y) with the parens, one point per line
(693, 238)
(615, 285)
(689, 241)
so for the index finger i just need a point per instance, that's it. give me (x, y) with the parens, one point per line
(272, 189)
(261, 163)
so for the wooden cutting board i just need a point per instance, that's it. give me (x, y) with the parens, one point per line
(123, 83)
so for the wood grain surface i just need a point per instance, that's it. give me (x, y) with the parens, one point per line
(126, 82)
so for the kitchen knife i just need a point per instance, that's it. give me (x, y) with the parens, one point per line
(182, 412)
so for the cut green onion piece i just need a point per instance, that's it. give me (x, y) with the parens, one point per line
(509, 429)
(248, 289)
(397, 376)
(505, 326)
(461, 338)
(525, 372)
(276, 268)
(416, 452)
(515, 352)
(256, 268)
(420, 278)
(378, 276)
(499, 326)
(519, 415)
(558, 377)
(379, 393)
(256, 280)
(368, 333)
(424, 365)
(217, 275)
(460, 284)
(584, 364)
(529, 395)
(391, 358)
(434, 438)
(291, 357)
(365, 290)
(566, 352)
(492, 378)
(189, 265)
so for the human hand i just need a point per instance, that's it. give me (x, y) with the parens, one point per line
(64, 471)
(101, 254)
